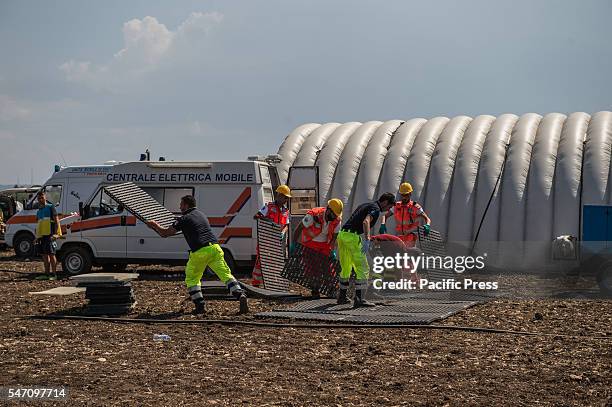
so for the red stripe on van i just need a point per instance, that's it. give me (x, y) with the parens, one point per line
(228, 233)
(221, 221)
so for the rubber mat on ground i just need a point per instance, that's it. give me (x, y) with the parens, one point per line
(313, 270)
(140, 204)
(271, 243)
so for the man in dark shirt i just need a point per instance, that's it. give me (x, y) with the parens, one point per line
(204, 252)
(353, 245)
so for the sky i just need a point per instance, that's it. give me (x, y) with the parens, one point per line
(87, 82)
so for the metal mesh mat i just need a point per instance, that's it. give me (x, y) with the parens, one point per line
(392, 312)
(390, 308)
(433, 244)
(272, 247)
(140, 204)
(407, 319)
(313, 270)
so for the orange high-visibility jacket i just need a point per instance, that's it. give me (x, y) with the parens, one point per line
(406, 216)
(318, 215)
(278, 215)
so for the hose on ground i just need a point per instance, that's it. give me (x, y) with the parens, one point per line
(230, 322)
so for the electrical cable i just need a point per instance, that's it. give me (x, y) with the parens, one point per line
(230, 322)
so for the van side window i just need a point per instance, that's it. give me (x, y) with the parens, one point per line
(54, 195)
(170, 198)
(103, 205)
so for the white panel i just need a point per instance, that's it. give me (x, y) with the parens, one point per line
(372, 162)
(417, 165)
(514, 179)
(437, 196)
(395, 161)
(539, 215)
(302, 178)
(348, 166)
(330, 155)
(514, 191)
(463, 193)
(491, 163)
(597, 159)
(314, 144)
(567, 176)
(291, 146)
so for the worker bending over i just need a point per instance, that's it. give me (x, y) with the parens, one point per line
(276, 211)
(407, 214)
(353, 245)
(318, 231)
(204, 252)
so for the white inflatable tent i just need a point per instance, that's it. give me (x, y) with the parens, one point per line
(517, 182)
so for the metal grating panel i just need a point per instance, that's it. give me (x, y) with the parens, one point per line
(433, 245)
(313, 270)
(421, 319)
(140, 204)
(393, 308)
(272, 247)
(412, 311)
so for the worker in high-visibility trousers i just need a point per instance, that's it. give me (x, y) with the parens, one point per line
(318, 231)
(276, 211)
(407, 214)
(204, 252)
(353, 245)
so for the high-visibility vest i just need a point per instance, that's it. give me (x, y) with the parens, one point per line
(314, 230)
(278, 215)
(406, 216)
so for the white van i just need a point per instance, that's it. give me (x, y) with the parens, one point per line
(229, 193)
(65, 188)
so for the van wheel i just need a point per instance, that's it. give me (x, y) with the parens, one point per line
(24, 245)
(76, 260)
(114, 268)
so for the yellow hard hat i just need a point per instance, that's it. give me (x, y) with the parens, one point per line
(284, 189)
(336, 206)
(405, 188)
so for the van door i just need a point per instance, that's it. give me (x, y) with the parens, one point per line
(105, 226)
(77, 190)
(144, 243)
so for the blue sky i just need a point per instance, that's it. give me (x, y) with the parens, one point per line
(90, 82)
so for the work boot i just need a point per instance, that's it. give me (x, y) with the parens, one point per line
(342, 298)
(200, 308)
(244, 304)
(360, 300)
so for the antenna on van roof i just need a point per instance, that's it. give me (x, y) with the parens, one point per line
(63, 159)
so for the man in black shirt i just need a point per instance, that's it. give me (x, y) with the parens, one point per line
(353, 245)
(204, 252)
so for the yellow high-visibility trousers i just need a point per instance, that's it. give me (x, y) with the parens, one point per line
(208, 256)
(351, 257)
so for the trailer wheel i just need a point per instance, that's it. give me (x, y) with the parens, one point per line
(24, 245)
(76, 260)
(604, 278)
